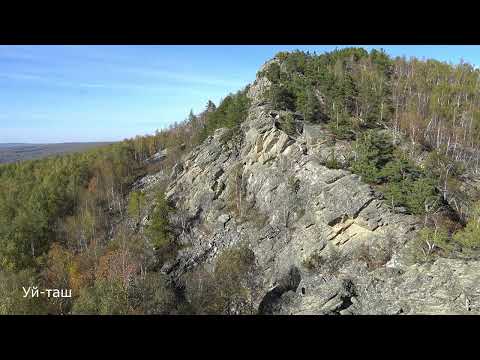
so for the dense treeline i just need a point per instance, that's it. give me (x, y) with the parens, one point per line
(436, 104)
(349, 86)
(41, 198)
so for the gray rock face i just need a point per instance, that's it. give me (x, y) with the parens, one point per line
(149, 182)
(157, 157)
(445, 287)
(273, 192)
(177, 169)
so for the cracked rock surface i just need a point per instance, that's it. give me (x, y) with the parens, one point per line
(272, 191)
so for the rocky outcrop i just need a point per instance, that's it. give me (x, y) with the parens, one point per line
(445, 287)
(274, 192)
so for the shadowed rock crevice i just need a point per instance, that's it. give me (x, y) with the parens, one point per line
(289, 282)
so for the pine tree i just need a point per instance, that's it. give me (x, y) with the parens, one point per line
(158, 231)
(210, 106)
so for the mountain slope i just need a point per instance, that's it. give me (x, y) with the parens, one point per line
(324, 242)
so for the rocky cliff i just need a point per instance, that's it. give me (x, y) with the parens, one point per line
(324, 241)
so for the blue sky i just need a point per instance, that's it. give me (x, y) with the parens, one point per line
(106, 93)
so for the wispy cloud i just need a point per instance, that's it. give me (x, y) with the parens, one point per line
(125, 89)
(210, 80)
(155, 84)
(72, 84)
(46, 79)
(109, 67)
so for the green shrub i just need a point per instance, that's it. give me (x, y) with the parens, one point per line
(437, 237)
(231, 112)
(373, 151)
(136, 204)
(418, 252)
(287, 124)
(469, 237)
(281, 98)
(427, 243)
(374, 257)
(296, 62)
(152, 294)
(402, 183)
(313, 262)
(106, 297)
(329, 263)
(437, 164)
(398, 169)
(417, 196)
(230, 134)
(308, 104)
(272, 73)
(341, 127)
(229, 288)
(332, 161)
(159, 231)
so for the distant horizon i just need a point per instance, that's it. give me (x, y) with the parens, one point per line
(63, 142)
(84, 94)
(15, 152)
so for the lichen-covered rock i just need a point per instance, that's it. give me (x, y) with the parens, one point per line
(445, 287)
(273, 192)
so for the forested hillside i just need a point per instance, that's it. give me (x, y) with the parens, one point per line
(57, 215)
(75, 221)
(429, 109)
